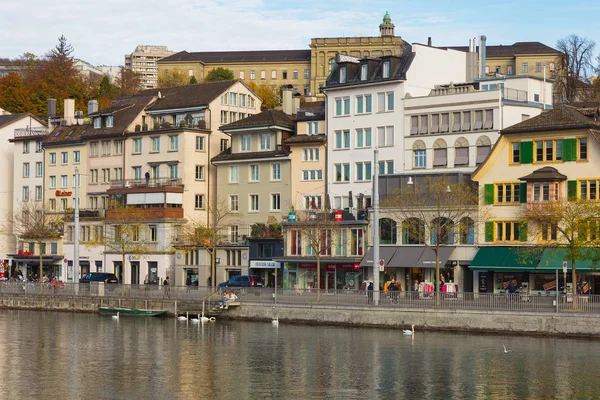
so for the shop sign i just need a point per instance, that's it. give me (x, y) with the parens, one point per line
(62, 193)
(25, 253)
(549, 286)
(264, 264)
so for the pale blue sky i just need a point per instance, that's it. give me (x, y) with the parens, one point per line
(102, 31)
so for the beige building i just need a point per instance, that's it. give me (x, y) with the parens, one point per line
(144, 62)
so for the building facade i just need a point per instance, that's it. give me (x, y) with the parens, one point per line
(143, 61)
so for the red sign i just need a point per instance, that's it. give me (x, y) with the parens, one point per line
(63, 193)
(25, 253)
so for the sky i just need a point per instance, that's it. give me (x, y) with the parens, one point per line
(103, 31)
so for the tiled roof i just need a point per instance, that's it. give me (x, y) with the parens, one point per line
(264, 118)
(311, 111)
(67, 135)
(186, 96)
(544, 174)
(300, 139)
(124, 110)
(512, 50)
(560, 118)
(240, 56)
(255, 155)
(10, 118)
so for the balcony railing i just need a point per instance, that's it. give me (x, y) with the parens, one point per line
(146, 183)
(515, 95)
(146, 214)
(25, 132)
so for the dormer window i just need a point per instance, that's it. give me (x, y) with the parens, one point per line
(110, 120)
(98, 122)
(364, 72)
(342, 74)
(386, 69)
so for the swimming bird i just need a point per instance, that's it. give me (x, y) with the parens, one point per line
(275, 322)
(506, 351)
(409, 332)
(203, 318)
(194, 320)
(116, 316)
(182, 318)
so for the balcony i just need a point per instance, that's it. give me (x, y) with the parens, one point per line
(145, 214)
(150, 183)
(31, 132)
(515, 95)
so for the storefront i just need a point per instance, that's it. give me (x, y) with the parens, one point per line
(26, 262)
(336, 274)
(267, 271)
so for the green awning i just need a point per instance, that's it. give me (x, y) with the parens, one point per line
(506, 258)
(552, 259)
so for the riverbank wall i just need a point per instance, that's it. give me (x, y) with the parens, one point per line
(566, 324)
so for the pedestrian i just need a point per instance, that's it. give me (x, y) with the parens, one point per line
(511, 289)
(166, 283)
(370, 292)
(393, 288)
(147, 178)
(146, 281)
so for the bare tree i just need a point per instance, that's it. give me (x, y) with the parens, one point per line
(35, 222)
(574, 68)
(432, 213)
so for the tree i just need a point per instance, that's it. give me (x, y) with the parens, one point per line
(574, 68)
(35, 222)
(193, 80)
(15, 94)
(270, 96)
(570, 225)
(219, 74)
(432, 210)
(272, 229)
(63, 49)
(106, 92)
(209, 234)
(172, 77)
(128, 82)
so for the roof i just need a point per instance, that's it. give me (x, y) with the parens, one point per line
(264, 118)
(124, 110)
(240, 56)
(10, 118)
(255, 155)
(311, 111)
(64, 135)
(301, 139)
(511, 50)
(544, 174)
(186, 96)
(562, 117)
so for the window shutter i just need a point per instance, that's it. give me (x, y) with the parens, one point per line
(572, 190)
(526, 151)
(570, 149)
(523, 231)
(489, 231)
(523, 192)
(488, 190)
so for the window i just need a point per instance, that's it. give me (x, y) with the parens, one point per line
(507, 193)
(346, 106)
(265, 141)
(461, 157)
(445, 123)
(311, 202)
(153, 233)
(413, 231)
(588, 189)
(173, 143)
(63, 206)
(524, 68)
(368, 103)
(98, 122)
(360, 104)
(234, 174)
(233, 99)
(509, 70)
(199, 143)
(276, 172)
(363, 138)
(364, 72)
(242, 101)
(254, 172)
(342, 74)
(341, 242)
(224, 115)
(173, 171)
(26, 170)
(64, 157)
(296, 242)
(224, 144)
(119, 173)
(64, 181)
(507, 231)
(246, 142)
(478, 120)
(110, 121)
(482, 153)
(273, 74)
(386, 164)
(467, 231)
(548, 232)
(456, 125)
(199, 202)
(105, 175)
(310, 154)
(424, 128)
(307, 74)
(342, 139)
(312, 174)
(284, 74)
(342, 172)
(342, 106)
(363, 171)
(38, 169)
(489, 119)
(275, 202)
(233, 236)
(52, 181)
(312, 128)
(94, 149)
(233, 116)
(389, 105)
(356, 242)
(414, 125)
(386, 70)
(582, 148)
(94, 175)
(419, 158)
(254, 203)
(541, 191)
(466, 125)
(548, 150)
(234, 203)
(538, 67)
(385, 136)
(440, 157)
(252, 75)
(137, 146)
(199, 172)
(52, 204)
(25, 193)
(38, 146)
(137, 172)
(435, 123)
(387, 231)
(26, 147)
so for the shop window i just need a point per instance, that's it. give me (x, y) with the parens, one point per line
(467, 231)
(387, 231)
(413, 231)
(442, 231)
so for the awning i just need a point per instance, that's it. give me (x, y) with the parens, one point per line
(419, 257)
(385, 253)
(506, 258)
(552, 259)
(427, 259)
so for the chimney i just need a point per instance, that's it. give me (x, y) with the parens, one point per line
(296, 104)
(92, 106)
(429, 41)
(51, 107)
(482, 60)
(287, 100)
(69, 111)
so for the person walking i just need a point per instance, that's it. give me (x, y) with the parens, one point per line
(147, 178)
(166, 283)
(370, 292)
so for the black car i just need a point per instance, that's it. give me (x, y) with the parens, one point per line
(243, 281)
(99, 277)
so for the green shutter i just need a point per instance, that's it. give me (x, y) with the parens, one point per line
(572, 190)
(526, 151)
(523, 231)
(489, 231)
(523, 192)
(569, 149)
(488, 190)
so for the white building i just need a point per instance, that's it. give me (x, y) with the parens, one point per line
(144, 62)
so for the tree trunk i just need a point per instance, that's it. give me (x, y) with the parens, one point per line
(437, 276)
(574, 282)
(122, 268)
(318, 275)
(41, 262)
(213, 267)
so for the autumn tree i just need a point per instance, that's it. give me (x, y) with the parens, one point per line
(193, 80)
(574, 68)
(16, 96)
(219, 74)
(270, 95)
(172, 77)
(433, 211)
(128, 82)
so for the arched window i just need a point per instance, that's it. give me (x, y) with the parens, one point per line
(467, 231)
(387, 231)
(413, 231)
(440, 153)
(331, 64)
(442, 231)
(461, 152)
(484, 145)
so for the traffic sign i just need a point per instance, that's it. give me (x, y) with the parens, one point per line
(381, 264)
(564, 267)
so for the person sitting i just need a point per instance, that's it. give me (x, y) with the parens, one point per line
(230, 299)
(224, 299)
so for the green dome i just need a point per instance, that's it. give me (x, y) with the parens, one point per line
(386, 16)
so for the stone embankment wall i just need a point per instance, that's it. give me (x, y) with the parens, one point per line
(506, 322)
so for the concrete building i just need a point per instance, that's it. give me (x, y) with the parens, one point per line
(143, 61)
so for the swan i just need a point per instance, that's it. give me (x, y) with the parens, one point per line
(407, 332)
(116, 316)
(182, 318)
(275, 321)
(203, 318)
(505, 350)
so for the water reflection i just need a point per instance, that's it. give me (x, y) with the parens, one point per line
(67, 356)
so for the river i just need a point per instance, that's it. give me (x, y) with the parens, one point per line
(84, 356)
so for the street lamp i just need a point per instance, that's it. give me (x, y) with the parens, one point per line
(76, 228)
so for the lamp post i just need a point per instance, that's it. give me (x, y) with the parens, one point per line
(376, 228)
(76, 228)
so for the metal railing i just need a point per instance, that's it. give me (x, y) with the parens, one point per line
(518, 302)
(143, 183)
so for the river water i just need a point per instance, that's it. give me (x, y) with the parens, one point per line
(45, 355)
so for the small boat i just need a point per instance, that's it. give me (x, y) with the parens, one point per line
(131, 312)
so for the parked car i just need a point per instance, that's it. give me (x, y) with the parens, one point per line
(243, 281)
(99, 277)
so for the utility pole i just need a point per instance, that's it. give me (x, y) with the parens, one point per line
(76, 229)
(376, 228)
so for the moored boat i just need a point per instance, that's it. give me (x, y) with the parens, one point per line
(134, 312)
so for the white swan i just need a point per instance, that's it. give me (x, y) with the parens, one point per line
(182, 318)
(275, 321)
(409, 332)
(203, 318)
(505, 350)
(116, 316)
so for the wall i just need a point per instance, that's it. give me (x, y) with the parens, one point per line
(432, 66)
